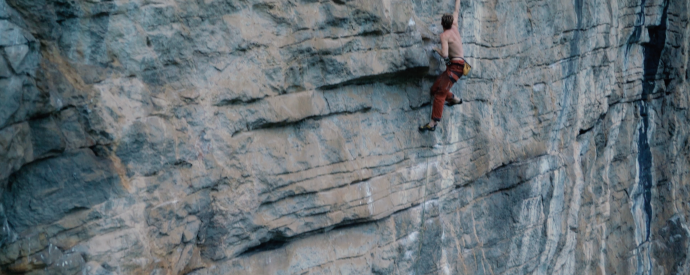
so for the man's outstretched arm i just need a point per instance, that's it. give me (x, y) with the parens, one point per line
(456, 13)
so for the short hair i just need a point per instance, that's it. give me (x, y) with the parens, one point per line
(447, 21)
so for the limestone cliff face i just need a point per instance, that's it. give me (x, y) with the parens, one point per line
(279, 137)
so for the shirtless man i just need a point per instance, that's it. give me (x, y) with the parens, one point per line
(452, 54)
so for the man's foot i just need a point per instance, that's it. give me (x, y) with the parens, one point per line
(456, 100)
(427, 127)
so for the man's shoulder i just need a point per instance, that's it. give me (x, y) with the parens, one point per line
(449, 32)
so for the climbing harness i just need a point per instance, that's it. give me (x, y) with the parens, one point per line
(466, 67)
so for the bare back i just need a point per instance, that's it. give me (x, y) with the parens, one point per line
(454, 41)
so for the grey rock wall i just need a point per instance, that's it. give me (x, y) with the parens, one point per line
(279, 137)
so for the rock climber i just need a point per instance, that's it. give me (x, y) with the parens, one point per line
(453, 55)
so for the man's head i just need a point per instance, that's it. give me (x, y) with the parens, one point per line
(447, 21)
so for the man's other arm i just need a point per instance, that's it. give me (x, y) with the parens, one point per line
(444, 47)
(443, 52)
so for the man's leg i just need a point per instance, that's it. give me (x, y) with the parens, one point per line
(453, 100)
(455, 72)
(437, 107)
(440, 92)
(437, 102)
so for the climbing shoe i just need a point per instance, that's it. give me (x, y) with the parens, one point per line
(456, 100)
(426, 127)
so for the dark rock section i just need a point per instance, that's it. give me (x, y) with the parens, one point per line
(46, 138)
(47, 190)
(673, 250)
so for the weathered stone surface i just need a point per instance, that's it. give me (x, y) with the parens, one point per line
(13, 35)
(4, 10)
(279, 137)
(15, 147)
(10, 98)
(47, 190)
(16, 54)
(4, 68)
(46, 138)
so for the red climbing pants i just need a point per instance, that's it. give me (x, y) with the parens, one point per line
(441, 88)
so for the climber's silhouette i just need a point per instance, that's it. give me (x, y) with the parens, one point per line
(452, 53)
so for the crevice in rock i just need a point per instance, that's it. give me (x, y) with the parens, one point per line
(39, 116)
(236, 101)
(182, 163)
(652, 58)
(504, 189)
(263, 124)
(272, 200)
(594, 125)
(394, 78)
(276, 241)
(76, 210)
(289, 196)
(584, 131)
(357, 222)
